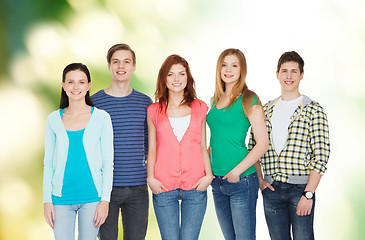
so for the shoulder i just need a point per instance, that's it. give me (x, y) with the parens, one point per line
(53, 115)
(199, 104)
(101, 112)
(141, 95)
(312, 106)
(271, 103)
(153, 107)
(98, 94)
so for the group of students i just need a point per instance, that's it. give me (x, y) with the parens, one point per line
(102, 151)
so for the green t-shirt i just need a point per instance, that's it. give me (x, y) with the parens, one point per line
(228, 130)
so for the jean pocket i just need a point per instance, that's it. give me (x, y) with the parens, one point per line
(299, 187)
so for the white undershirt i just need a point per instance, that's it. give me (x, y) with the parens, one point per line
(282, 112)
(179, 126)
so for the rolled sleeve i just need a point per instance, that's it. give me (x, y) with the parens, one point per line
(319, 141)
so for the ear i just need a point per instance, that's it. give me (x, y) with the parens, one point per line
(109, 68)
(63, 86)
(88, 86)
(134, 68)
(301, 75)
(277, 75)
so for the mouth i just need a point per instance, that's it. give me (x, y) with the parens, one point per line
(228, 75)
(288, 82)
(121, 72)
(176, 84)
(76, 93)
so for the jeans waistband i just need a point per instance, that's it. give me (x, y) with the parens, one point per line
(291, 179)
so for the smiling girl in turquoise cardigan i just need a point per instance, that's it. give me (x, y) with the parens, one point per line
(78, 160)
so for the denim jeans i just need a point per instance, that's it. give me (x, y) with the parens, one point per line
(64, 226)
(167, 210)
(133, 203)
(280, 208)
(235, 206)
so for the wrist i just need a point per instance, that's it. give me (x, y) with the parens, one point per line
(308, 195)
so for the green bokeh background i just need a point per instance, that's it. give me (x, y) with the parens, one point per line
(39, 38)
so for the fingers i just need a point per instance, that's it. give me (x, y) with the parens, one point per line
(164, 188)
(99, 220)
(270, 187)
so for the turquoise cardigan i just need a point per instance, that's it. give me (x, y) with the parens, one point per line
(98, 144)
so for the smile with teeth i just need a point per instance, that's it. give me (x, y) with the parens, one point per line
(121, 72)
(288, 82)
(76, 93)
(227, 75)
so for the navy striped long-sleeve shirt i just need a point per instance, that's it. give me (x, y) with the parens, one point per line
(128, 116)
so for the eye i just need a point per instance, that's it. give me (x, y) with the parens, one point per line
(235, 65)
(223, 65)
(169, 75)
(127, 61)
(182, 74)
(114, 61)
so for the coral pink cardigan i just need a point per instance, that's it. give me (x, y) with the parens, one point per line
(178, 164)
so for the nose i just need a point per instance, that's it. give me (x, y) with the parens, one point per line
(176, 78)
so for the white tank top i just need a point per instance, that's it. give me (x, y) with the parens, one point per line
(179, 126)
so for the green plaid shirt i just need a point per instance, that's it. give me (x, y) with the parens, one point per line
(307, 147)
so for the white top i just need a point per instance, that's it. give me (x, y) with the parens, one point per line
(280, 121)
(179, 126)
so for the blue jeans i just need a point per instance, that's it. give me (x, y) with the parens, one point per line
(167, 210)
(235, 206)
(280, 208)
(64, 226)
(133, 203)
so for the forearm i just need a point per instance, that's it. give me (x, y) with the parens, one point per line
(259, 170)
(207, 166)
(151, 165)
(313, 181)
(252, 158)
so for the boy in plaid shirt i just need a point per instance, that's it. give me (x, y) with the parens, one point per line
(297, 157)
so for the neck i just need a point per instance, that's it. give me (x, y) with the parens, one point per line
(77, 106)
(287, 96)
(175, 98)
(119, 89)
(229, 88)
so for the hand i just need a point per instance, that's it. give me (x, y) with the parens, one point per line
(156, 186)
(49, 214)
(304, 206)
(203, 183)
(101, 213)
(232, 177)
(264, 184)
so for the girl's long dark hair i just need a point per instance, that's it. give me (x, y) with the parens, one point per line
(73, 67)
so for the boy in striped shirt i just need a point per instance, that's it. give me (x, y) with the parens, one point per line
(127, 109)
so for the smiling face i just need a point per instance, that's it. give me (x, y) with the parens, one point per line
(121, 65)
(176, 79)
(289, 77)
(76, 85)
(230, 70)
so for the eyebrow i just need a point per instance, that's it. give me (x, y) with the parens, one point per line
(121, 59)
